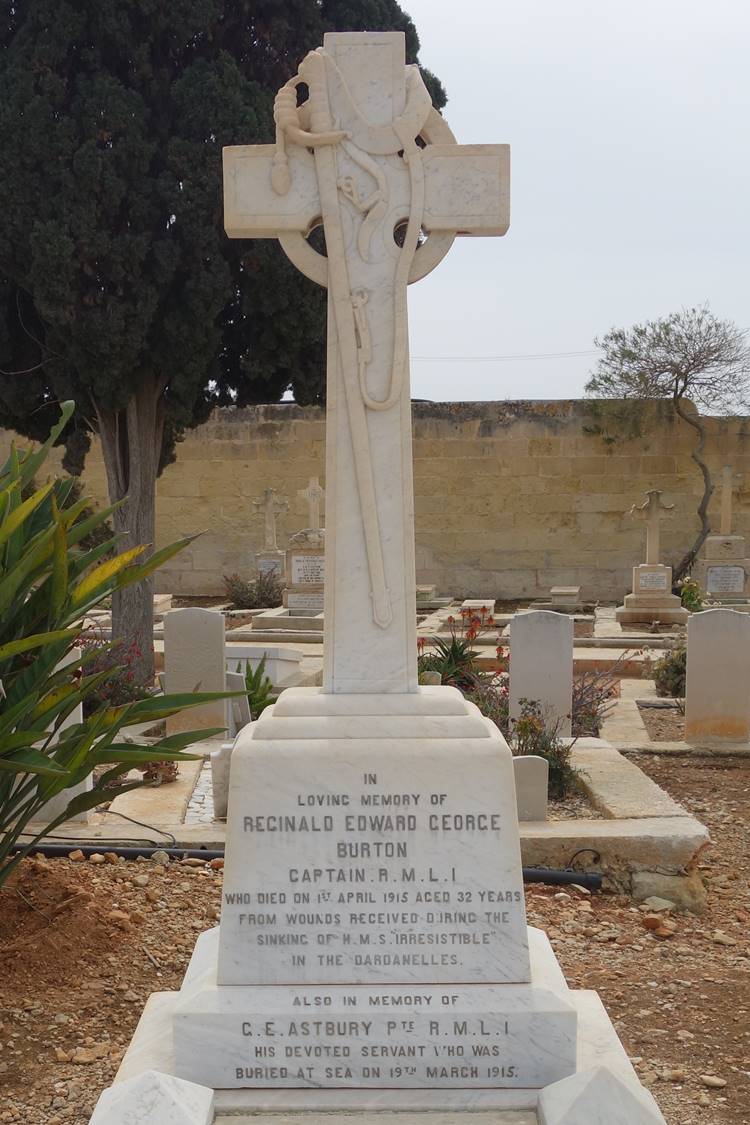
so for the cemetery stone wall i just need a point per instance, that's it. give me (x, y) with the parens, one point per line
(511, 498)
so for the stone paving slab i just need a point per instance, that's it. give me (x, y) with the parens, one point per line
(618, 788)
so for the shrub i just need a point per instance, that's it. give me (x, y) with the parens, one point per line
(453, 657)
(691, 595)
(263, 592)
(669, 673)
(529, 733)
(492, 701)
(115, 661)
(48, 582)
(259, 687)
(532, 733)
(594, 696)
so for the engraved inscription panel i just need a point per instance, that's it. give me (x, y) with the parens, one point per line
(381, 865)
(271, 566)
(652, 580)
(311, 602)
(308, 570)
(726, 580)
(452, 1036)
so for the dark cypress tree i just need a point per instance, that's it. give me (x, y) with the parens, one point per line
(118, 287)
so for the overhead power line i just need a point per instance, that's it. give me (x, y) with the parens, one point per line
(499, 358)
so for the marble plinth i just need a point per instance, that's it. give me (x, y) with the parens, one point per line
(373, 926)
(724, 574)
(652, 599)
(457, 1036)
(373, 949)
(597, 1097)
(724, 547)
(598, 1044)
(154, 1098)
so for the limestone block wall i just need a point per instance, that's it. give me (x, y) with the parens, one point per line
(510, 497)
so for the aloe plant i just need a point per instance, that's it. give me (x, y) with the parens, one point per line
(259, 687)
(48, 582)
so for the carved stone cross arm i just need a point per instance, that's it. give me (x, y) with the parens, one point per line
(466, 191)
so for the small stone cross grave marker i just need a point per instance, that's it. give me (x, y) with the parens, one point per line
(652, 510)
(271, 506)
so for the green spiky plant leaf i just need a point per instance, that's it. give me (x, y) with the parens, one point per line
(48, 582)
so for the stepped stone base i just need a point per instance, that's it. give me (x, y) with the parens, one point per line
(651, 599)
(597, 1045)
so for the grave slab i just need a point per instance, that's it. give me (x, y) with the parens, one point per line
(479, 605)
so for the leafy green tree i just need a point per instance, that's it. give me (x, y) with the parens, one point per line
(118, 287)
(690, 358)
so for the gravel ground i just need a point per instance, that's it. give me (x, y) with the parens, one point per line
(664, 724)
(85, 943)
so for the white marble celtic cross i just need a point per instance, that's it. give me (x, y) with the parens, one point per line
(369, 158)
(314, 494)
(271, 506)
(652, 510)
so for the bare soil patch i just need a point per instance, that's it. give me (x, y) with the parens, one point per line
(664, 724)
(84, 945)
(574, 806)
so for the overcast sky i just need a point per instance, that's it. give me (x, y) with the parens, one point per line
(629, 127)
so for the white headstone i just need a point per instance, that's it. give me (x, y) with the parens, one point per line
(194, 661)
(238, 708)
(221, 761)
(717, 700)
(153, 1098)
(532, 784)
(597, 1097)
(541, 665)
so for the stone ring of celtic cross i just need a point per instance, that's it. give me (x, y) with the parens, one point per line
(432, 251)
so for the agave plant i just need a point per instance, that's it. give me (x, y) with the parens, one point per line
(259, 687)
(48, 582)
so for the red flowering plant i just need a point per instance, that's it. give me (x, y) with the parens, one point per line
(117, 661)
(454, 657)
